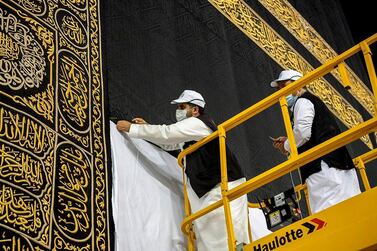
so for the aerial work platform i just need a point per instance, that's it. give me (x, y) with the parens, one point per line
(349, 225)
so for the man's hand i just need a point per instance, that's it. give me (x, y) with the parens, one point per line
(139, 121)
(278, 143)
(123, 125)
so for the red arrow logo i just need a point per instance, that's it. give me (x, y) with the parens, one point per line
(319, 222)
(312, 227)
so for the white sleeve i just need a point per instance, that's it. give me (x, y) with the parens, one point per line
(171, 147)
(183, 131)
(302, 124)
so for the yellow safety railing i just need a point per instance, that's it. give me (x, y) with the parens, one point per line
(296, 160)
(360, 165)
(359, 162)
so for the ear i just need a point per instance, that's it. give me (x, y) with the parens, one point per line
(299, 92)
(195, 111)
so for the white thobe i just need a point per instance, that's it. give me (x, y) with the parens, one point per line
(210, 229)
(331, 185)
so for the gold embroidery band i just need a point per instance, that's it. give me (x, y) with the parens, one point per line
(289, 17)
(250, 23)
(53, 175)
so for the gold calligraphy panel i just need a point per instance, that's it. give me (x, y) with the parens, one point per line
(36, 7)
(249, 22)
(25, 132)
(22, 212)
(26, 59)
(73, 93)
(73, 191)
(53, 179)
(26, 171)
(71, 28)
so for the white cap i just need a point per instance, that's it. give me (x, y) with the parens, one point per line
(189, 96)
(286, 75)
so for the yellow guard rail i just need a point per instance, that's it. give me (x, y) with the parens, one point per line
(359, 162)
(296, 160)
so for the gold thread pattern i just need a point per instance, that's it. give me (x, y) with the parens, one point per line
(53, 178)
(23, 65)
(73, 192)
(101, 199)
(25, 132)
(71, 28)
(26, 161)
(73, 91)
(22, 168)
(34, 6)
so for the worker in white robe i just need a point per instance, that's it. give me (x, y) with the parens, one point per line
(202, 169)
(331, 178)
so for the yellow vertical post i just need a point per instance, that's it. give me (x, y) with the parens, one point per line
(224, 189)
(291, 139)
(371, 71)
(190, 237)
(249, 227)
(307, 200)
(288, 127)
(361, 167)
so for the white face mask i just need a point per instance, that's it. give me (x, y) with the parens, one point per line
(291, 100)
(180, 114)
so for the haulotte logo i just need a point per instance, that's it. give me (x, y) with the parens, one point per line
(292, 235)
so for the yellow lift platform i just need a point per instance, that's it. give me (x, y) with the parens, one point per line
(349, 225)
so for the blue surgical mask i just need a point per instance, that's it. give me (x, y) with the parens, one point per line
(291, 100)
(180, 114)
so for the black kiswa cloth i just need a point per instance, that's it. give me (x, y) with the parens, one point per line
(116, 115)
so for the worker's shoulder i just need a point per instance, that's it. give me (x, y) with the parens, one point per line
(304, 100)
(197, 122)
(303, 105)
(194, 120)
